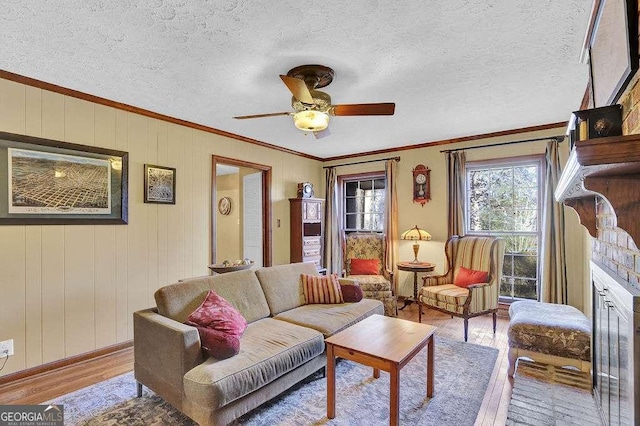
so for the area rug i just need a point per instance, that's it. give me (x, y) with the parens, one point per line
(546, 395)
(462, 373)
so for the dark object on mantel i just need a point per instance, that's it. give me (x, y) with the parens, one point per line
(606, 167)
(595, 123)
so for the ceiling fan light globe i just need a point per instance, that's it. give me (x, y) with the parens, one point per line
(311, 121)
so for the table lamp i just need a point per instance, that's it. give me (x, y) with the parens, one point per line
(415, 234)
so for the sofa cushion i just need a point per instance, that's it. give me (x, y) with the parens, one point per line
(219, 324)
(351, 293)
(466, 277)
(365, 266)
(218, 344)
(321, 289)
(282, 285)
(216, 313)
(269, 349)
(177, 301)
(330, 319)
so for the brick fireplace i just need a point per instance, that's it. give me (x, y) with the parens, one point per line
(615, 271)
(613, 247)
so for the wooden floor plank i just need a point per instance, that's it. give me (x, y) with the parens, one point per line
(35, 390)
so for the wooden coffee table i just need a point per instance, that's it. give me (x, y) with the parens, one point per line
(383, 343)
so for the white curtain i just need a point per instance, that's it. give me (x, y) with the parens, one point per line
(456, 183)
(332, 238)
(391, 220)
(554, 264)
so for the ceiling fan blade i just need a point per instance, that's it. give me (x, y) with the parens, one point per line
(273, 114)
(298, 89)
(363, 109)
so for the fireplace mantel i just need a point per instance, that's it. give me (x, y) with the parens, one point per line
(608, 168)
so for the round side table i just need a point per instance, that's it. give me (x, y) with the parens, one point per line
(416, 268)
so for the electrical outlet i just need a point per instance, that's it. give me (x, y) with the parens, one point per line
(6, 348)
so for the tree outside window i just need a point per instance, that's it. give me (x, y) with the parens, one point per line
(363, 203)
(503, 199)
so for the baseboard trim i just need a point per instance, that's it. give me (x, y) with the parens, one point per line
(62, 363)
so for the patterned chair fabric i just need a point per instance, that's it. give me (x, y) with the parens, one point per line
(549, 333)
(371, 246)
(549, 328)
(477, 252)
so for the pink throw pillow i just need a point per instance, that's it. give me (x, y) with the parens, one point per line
(365, 266)
(321, 289)
(219, 324)
(218, 344)
(467, 277)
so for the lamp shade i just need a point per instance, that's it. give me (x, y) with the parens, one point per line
(416, 233)
(310, 120)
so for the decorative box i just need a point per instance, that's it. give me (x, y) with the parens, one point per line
(595, 123)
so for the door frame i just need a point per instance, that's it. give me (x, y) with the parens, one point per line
(266, 204)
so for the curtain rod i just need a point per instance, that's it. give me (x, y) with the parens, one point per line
(362, 162)
(559, 138)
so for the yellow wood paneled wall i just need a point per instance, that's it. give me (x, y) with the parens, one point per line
(66, 290)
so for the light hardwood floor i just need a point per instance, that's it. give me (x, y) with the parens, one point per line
(492, 412)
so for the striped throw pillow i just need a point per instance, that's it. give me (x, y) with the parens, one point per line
(321, 289)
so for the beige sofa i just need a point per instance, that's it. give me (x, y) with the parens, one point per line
(283, 342)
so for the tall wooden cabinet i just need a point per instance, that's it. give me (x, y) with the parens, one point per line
(307, 230)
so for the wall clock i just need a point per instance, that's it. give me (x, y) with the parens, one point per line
(421, 184)
(305, 190)
(224, 205)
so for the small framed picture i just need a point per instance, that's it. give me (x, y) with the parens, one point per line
(159, 184)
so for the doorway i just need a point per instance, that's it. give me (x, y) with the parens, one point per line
(240, 211)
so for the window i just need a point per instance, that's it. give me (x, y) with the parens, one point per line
(504, 199)
(363, 203)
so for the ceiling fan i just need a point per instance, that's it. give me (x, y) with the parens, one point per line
(312, 107)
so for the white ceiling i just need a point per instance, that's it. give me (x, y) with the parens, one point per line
(454, 68)
(225, 169)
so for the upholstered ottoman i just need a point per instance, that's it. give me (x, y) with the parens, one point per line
(553, 334)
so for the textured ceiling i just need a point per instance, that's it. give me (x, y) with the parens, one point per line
(454, 68)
